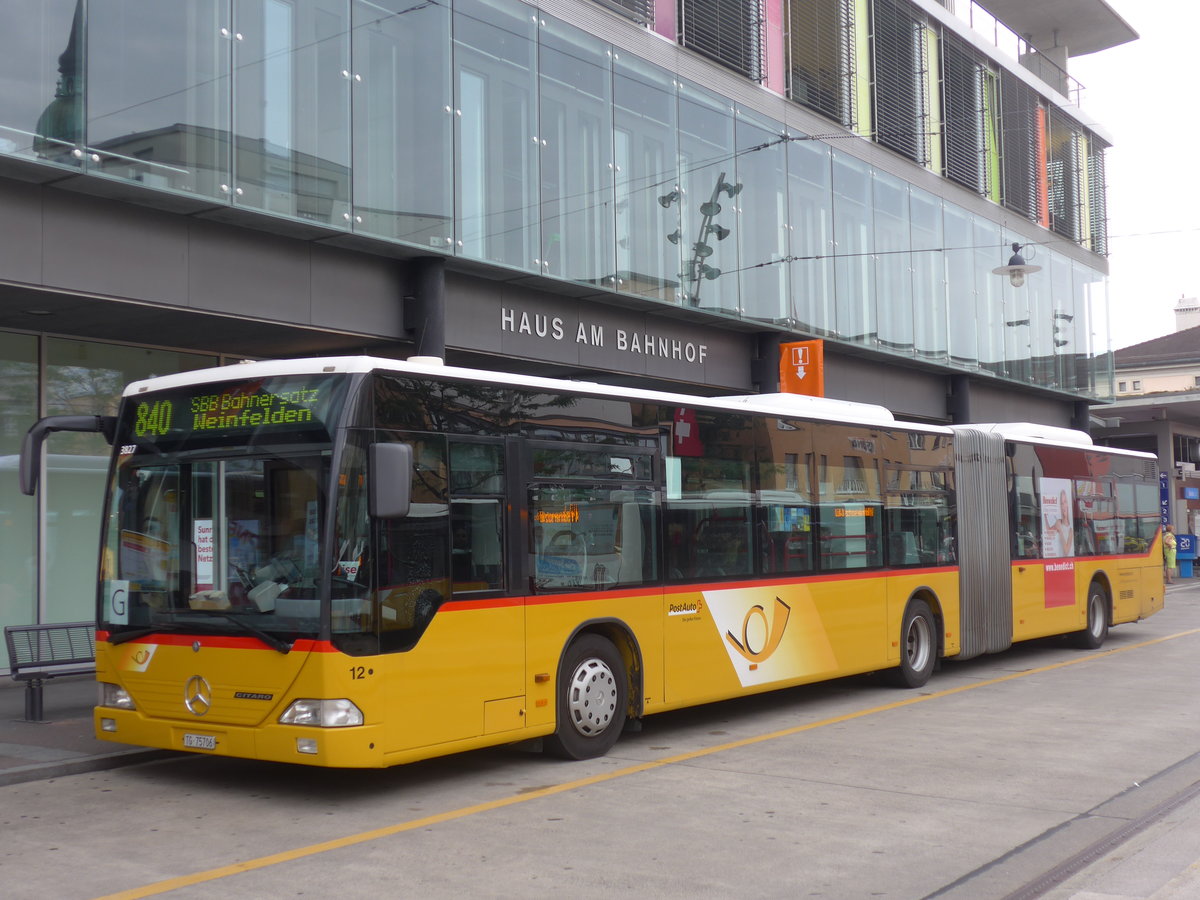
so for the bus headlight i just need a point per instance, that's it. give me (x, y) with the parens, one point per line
(322, 713)
(113, 696)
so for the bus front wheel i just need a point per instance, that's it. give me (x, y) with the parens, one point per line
(593, 694)
(1092, 637)
(918, 646)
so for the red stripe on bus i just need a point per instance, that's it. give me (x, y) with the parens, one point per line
(226, 642)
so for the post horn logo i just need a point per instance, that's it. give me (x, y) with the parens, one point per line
(197, 696)
(773, 629)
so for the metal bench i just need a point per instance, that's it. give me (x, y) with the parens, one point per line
(37, 653)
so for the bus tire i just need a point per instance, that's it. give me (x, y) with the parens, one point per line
(593, 698)
(918, 646)
(1093, 635)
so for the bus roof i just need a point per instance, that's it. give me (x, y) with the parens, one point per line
(1050, 435)
(792, 405)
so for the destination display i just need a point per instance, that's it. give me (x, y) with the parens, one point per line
(290, 407)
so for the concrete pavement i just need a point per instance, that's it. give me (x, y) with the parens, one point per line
(1159, 860)
(64, 743)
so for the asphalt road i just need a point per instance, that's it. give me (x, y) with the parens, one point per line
(1044, 771)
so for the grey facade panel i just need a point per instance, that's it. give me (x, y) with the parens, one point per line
(20, 232)
(251, 274)
(357, 292)
(113, 249)
(908, 393)
(73, 243)
(998, 403)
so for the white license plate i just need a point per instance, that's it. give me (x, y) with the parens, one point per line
(200, 741)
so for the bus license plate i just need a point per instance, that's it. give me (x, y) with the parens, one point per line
(200, 741)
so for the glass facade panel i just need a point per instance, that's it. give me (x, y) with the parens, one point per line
(41, 105)
(84, 378)
(709, 189)
(291, 109)
(1039, 340)
(18, 410)
(403, 122)
(484, 129)
(495, 68)
(893, 263)
(854, 246)
(577, 155)
(1017, 319)
(930, 315)
(1091, 374)
(649, 237)
(1062, 334)
(762, 217)
(810, 230)
(960, 286)
(158, 93)
(989, 307)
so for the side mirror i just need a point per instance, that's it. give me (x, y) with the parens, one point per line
(391, 480)
(31, 446)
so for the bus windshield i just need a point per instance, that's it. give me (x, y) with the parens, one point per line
(216, 508)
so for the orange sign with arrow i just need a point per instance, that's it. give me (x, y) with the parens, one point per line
(802, 368)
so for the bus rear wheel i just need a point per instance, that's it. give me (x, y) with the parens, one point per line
(1092, 637)
(918, 646)
(593, 696)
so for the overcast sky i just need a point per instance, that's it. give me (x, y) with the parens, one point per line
(1144, 94)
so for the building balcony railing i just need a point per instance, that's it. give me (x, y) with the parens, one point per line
(1004, 38)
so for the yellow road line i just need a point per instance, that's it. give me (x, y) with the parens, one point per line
(262, 862)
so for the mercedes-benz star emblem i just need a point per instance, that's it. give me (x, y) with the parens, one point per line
(197, 696)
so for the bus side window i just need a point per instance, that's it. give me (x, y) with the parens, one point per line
(591, 537)
(1027, 536)
(917, 517)
(413, 580)
(710, 521)
(1095, 518)
(723, 540)
(476, 514)
(850, 512)
(787, 537)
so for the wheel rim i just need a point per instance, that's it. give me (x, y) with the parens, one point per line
(592, 697)
(918, 643)
(1096, 616)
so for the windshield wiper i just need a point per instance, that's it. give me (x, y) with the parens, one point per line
(136, 633)
(266, 637)
(166, 627)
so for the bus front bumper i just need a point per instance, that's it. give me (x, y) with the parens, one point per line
(350, 747)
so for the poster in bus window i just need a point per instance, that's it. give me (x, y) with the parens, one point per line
(202, 537)
(144, 560)
(1058, 526)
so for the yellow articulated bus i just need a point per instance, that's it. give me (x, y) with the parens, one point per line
(362, 562)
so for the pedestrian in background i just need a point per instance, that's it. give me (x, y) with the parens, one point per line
(1169, 554)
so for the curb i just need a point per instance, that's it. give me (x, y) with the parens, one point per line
(119, 759)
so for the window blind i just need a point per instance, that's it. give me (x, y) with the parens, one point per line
(729, 31)
(1021, 187)
(899, 58)
(821, 68)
